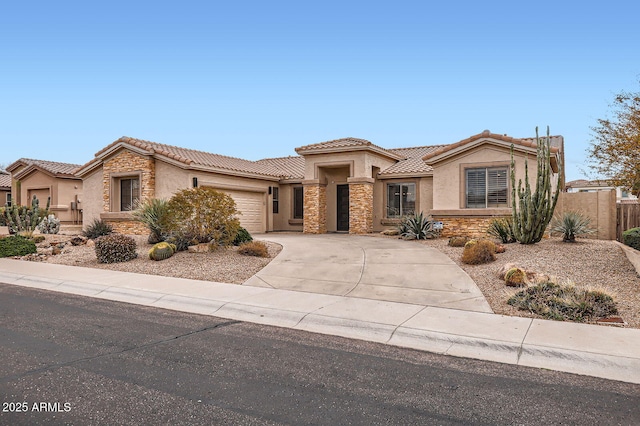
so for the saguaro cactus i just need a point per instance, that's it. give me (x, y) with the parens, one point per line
(533, 211)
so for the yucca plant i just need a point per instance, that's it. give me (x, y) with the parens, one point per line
(152, 213)
(570, 225)
(502, 229)
(417, 227)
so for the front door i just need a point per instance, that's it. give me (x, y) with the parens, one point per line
(343, 207)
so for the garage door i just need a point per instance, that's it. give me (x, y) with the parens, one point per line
(252, 207)
(41, 194)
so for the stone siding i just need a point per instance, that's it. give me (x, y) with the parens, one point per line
(315, 209)
(360, 208)
(124, 162)
(128, 227)
(464, 226)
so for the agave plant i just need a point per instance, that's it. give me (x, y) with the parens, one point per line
(417, 227)
(503, 229)
(152, 213)
(570, 225)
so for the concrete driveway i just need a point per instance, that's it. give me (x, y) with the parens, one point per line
(370, 268)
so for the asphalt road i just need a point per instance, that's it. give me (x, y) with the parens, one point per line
(75, 360)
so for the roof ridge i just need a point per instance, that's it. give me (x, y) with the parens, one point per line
(418, 146)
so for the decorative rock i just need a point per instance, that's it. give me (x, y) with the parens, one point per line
(392, 231)
(56, 250)
(200, 248)
(90, 243)
(500, 248)
(78, 241)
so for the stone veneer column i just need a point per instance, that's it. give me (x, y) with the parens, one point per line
(315, 208)
(120, 165)
(360, 205)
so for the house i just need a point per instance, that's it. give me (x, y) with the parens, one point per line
(582, 185)
(5, 188)
(344, 185)
(46, 179)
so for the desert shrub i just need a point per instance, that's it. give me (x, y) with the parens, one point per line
(24, 220)
(162, 251)
(3, 219)
(97, 228)
(570, 225)
(631, 237)
(203, 215)
(38, 238)
(564, 302)
(515, 277)
(182, 242)
(458, 241)
(152, 213)
(254, 248)
(49, 225)
(243, 236)
(114, 248)
(479, 251)
(417, 227)
(502, 229)
(16, 245)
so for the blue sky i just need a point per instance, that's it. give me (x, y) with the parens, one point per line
(256, 79)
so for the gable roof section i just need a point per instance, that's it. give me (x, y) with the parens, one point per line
(583, 183)
(57, 169)
(412, 164)
(5, 181)
(448, 150)
(188, 158)
(346, 145)
(291, 167)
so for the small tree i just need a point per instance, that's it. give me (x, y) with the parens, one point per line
(615, 147)
(204, 215)
(532, 212)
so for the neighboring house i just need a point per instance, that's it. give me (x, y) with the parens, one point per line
(582, 185)
(5, 188)
(345, 185)
(46, 179)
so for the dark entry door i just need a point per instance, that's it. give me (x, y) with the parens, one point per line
(343, 207)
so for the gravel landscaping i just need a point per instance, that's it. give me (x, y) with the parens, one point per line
(592, 263)
(225, 265)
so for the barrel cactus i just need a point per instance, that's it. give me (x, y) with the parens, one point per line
(162, 251)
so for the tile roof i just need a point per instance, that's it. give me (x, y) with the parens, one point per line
(416, 151)
(336, 143)
(53, 167)
(5, 180)
(410, 165)
(528, 142)
(192, 157)
(583, 183)
(291, 167)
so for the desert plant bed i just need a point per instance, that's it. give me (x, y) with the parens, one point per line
(594, 264)
(224, 265)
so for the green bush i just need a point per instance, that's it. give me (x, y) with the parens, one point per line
(203, 215)
(38, 238)
(417, 227)
(114, 248)
(564, 302)
(570, 225)
(631, 237)
(502, 229)
(153, 214)
(479, 251)
(16, 246)
(254, 248)
(182, 242)
(243, 236)
(3, 219)
(97, 228)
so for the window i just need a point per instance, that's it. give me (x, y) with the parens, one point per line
(486, 187)
(625, 194)
(275, 199)
(401, 199)
(298, 202)
(129, 194)
(8, 199)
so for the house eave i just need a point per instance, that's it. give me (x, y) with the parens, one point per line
(383, 176)
(341, 149)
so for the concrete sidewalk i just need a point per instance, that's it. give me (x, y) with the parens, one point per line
(598, 351)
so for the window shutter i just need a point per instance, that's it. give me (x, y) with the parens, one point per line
(476, 188)
(497, 187)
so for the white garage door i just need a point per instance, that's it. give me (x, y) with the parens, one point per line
(252, 206)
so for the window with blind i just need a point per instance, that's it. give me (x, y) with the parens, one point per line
(129, 194)
(486, 188)
(298, 202)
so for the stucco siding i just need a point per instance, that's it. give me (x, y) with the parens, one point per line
(91, 201)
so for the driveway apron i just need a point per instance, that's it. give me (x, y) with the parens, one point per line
(370, 268)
